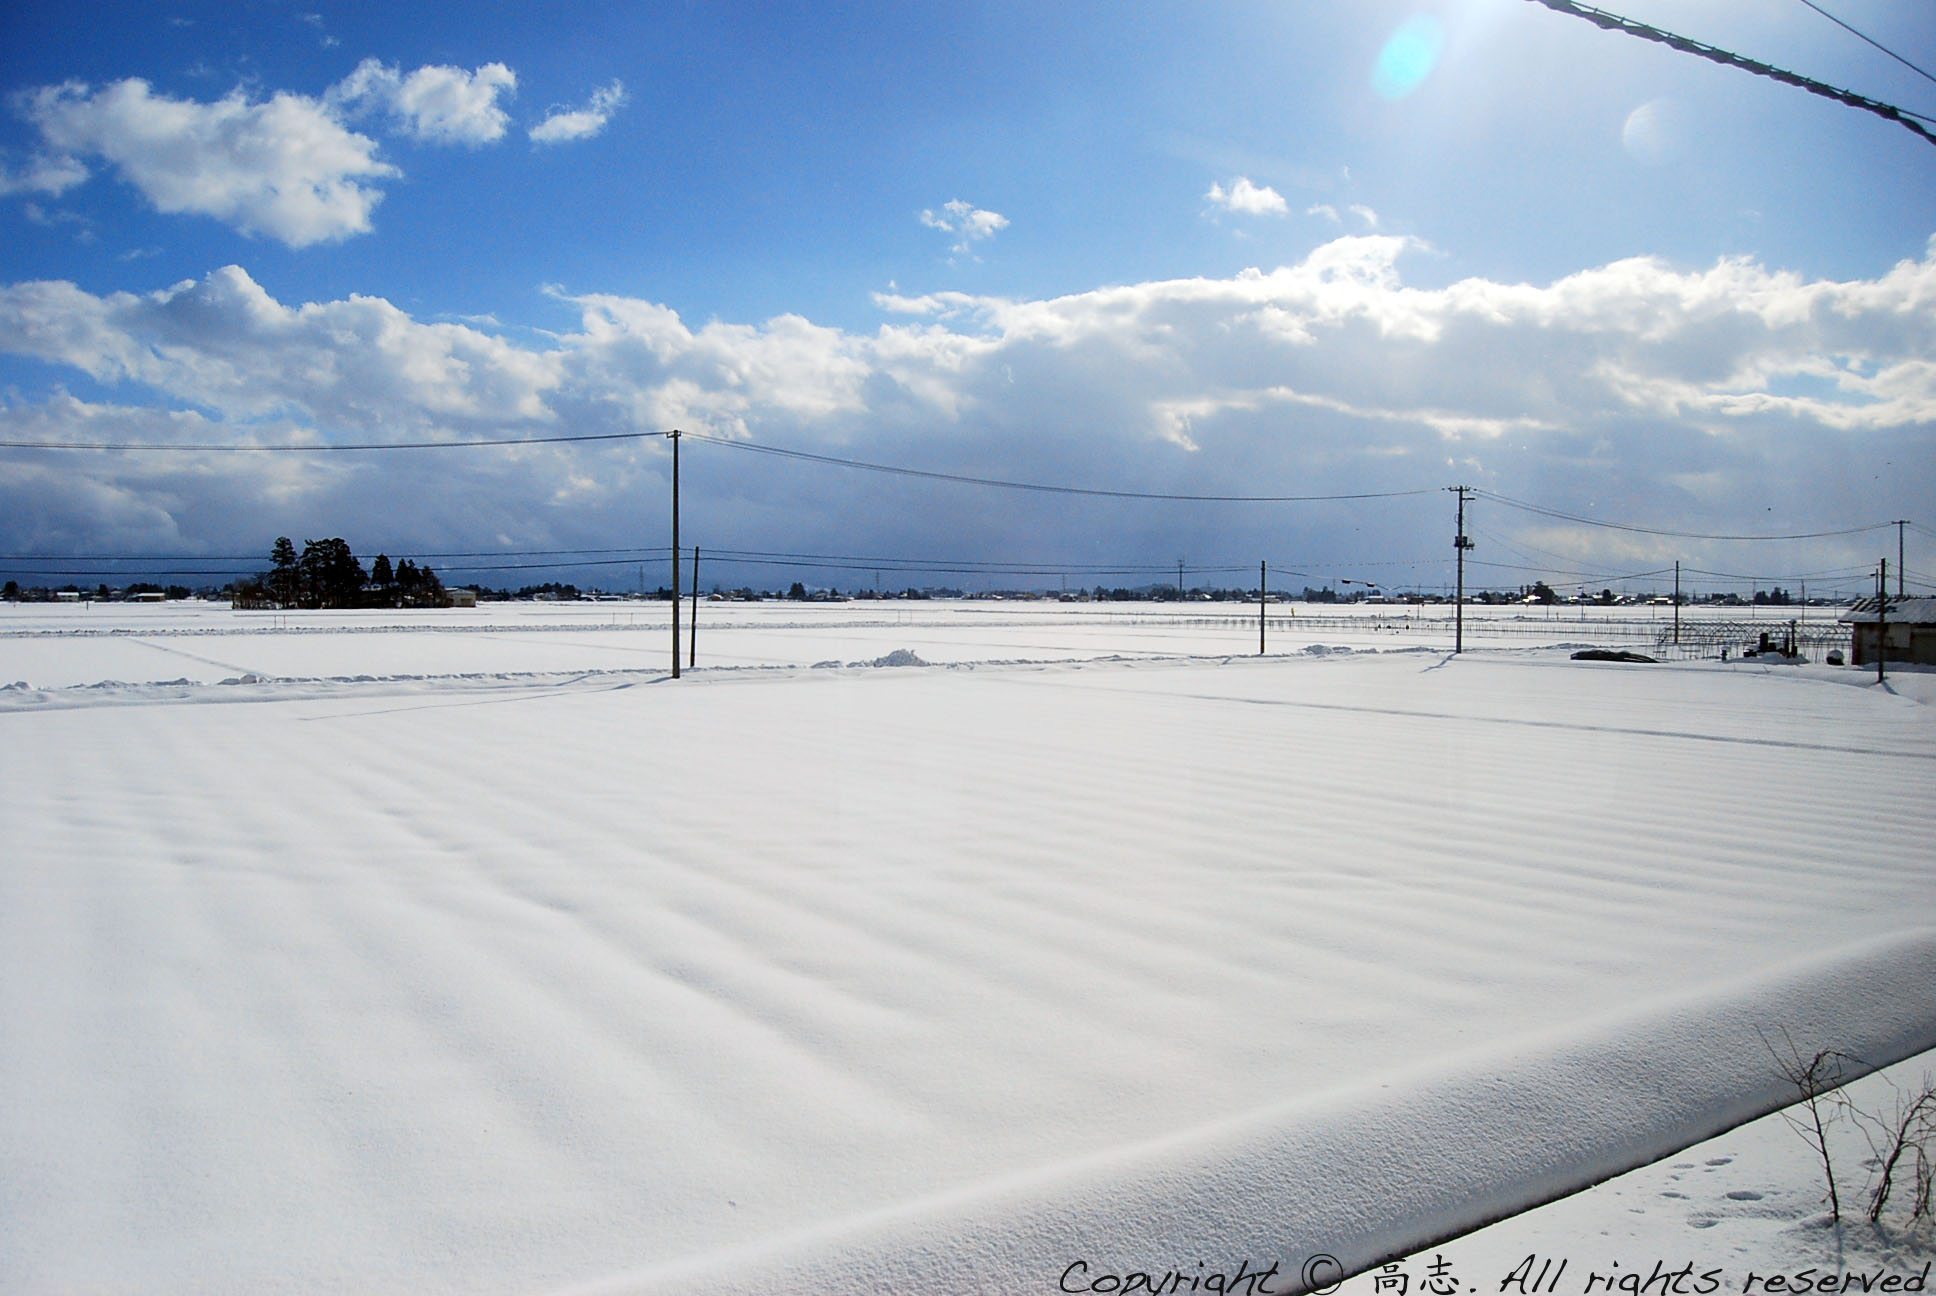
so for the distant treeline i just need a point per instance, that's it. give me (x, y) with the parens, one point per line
(326, 574)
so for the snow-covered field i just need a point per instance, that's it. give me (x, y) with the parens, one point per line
(63, 645)
(468, 952)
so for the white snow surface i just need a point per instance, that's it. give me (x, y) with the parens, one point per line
(467, 976)
(1728, 1214)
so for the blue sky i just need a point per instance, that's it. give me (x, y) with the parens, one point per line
(1274, 249)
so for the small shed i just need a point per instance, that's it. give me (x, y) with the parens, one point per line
(1904, 631)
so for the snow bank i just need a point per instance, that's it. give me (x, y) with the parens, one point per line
(1380, 1166)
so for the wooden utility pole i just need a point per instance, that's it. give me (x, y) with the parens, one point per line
(1882, 615)
(1460, 543)
(674, 434)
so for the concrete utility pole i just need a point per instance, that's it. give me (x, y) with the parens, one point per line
(1460, 543)
(1263, 600)
(1677, 602)
(692, 656)
(674, 434)
(1899, 525)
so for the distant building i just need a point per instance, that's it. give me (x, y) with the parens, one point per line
(1904, 632)
(463, 598)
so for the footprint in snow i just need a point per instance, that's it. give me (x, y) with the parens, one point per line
(1681, 1195)
(1744, 1194)
(1720, 1161)
(1703, 1223)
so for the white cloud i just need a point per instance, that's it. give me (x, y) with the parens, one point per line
(287, 167)
(42, 175)
(316, 20)
(223, 344)
(438, 104)
(284, 167)
(1247, 198)
(1365, 215)
(563, 124)
(1711, 393)
(970, 224)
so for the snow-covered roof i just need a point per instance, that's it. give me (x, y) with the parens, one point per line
(1920, 610)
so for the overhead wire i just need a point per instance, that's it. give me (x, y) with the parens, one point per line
(326, 447)
(1004, 484)
(1911, 121)
(1543, 511)
(734, 443)
(1870, 39)
(508, 560)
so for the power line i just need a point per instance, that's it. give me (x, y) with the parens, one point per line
(334, 447)
(367, 446)
(579, 438)
(1049, 489)
(1572, 575)
(1878, 44)
(405, 550)
(924, 564)
(1543, 511)
(1715, 54)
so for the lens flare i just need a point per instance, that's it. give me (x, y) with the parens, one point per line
(1655, 132)
(1408, 57)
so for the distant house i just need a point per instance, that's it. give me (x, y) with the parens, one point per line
(462, 598)
(1903, 632)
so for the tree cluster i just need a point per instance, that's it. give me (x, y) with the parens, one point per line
(326, 574)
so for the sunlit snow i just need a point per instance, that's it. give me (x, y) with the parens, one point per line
(431, 953)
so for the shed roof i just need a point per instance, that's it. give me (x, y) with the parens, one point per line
(1920, 611)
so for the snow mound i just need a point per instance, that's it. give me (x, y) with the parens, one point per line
(899, 657)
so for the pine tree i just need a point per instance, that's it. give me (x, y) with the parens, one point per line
(284, 580)
(331, 576)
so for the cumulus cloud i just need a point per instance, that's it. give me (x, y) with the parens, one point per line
(222, 343)
(1247, 198)
(437, 104)
(289, 167)
(285, 167)
(562, 124)
(969, 224)
(1628, 388)
(41, 174)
